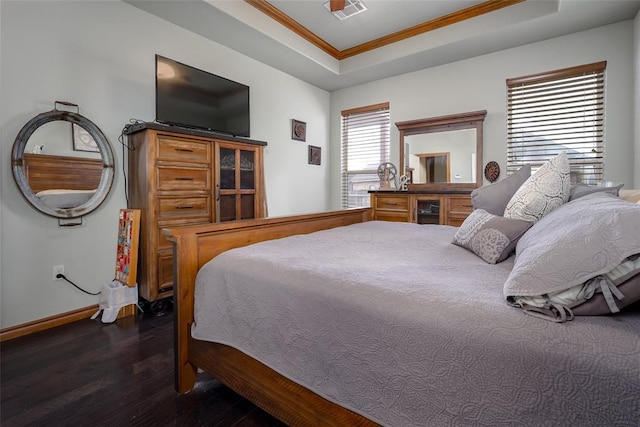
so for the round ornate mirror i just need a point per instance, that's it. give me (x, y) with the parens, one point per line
(62, 163)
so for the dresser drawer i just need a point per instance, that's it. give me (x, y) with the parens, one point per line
(184, 208)
(460, 204)
(165, 272)
(183, 150)
(400, 203)
(179, 179)
(396, 216)
(455, 221)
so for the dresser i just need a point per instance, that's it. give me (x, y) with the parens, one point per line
(182, 177)
(448, 207)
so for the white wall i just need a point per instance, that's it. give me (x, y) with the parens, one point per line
(479, 84)
(100, 55)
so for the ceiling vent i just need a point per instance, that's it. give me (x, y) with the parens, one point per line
(351, 7)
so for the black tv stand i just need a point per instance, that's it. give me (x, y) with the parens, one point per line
(187, 131)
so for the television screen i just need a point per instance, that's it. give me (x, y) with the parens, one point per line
(186, 96)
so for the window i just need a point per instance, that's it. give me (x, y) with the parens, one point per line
(558, 111)
(365, 144)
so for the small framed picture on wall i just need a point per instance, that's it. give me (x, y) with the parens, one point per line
(298, 130)
(315, 155)
(82, 140)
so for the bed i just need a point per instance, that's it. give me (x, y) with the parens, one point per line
(422, 341)
(62, 181)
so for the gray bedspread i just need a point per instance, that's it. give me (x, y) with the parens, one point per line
(396, 323)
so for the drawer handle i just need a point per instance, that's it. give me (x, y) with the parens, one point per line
(184, 207)
(183, 178)
(186, 150)
(467, 206)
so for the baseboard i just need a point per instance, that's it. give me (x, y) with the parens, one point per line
(46, 323)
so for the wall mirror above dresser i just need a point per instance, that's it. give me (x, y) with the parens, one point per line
(442, 153)
(62, 163)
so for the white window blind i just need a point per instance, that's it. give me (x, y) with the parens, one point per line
(365, 144)
(556, 111)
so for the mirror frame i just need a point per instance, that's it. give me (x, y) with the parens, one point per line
(108, 166)
(471, 120)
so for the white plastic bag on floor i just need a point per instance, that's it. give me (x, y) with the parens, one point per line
(113, 296)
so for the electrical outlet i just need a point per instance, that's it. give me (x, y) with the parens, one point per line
(57, 269)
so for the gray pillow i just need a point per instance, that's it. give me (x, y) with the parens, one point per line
(493, 198)
(491, 237)
(579, 190)
(574, 243)
(597, 305)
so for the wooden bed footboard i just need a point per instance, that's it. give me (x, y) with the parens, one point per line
(193, 246)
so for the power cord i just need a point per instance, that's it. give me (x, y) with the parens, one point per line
(130, 148)
(62, 276)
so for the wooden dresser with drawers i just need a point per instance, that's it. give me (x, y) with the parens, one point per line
(181, 177)
(448, 207)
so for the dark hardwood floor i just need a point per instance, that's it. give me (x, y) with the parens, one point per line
(91, 374)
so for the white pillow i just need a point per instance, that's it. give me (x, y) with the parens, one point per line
(544, 191)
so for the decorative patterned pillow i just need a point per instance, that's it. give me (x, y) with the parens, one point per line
(544, 191)
(493, 198)
(491, 237)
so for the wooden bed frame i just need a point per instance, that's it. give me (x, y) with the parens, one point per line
(45, 172)
(195, 245)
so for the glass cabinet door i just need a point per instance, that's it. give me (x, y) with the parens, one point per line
(428, 211)
(237, 183)
(227, 169)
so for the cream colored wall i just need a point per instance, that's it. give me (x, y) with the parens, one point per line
(100, 55)
(479, 84)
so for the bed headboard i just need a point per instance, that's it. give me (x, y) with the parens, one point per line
(45, 172)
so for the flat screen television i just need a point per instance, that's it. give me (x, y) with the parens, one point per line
(189, 97)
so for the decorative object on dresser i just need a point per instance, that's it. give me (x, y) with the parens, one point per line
(401, 185)
(181, 176)
(65, 184)
(298, 130)
(387, 173)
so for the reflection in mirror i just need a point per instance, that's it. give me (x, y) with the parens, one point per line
(442, 156)
(63, 173)
(58, 175)
(442, 152)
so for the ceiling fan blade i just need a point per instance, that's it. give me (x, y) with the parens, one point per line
(336, 5)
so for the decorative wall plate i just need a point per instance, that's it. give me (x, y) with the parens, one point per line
(298, 130)
(492, 171)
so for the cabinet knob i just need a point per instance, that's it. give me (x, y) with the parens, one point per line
(184, 207)
(185, 150)
(183, 178)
